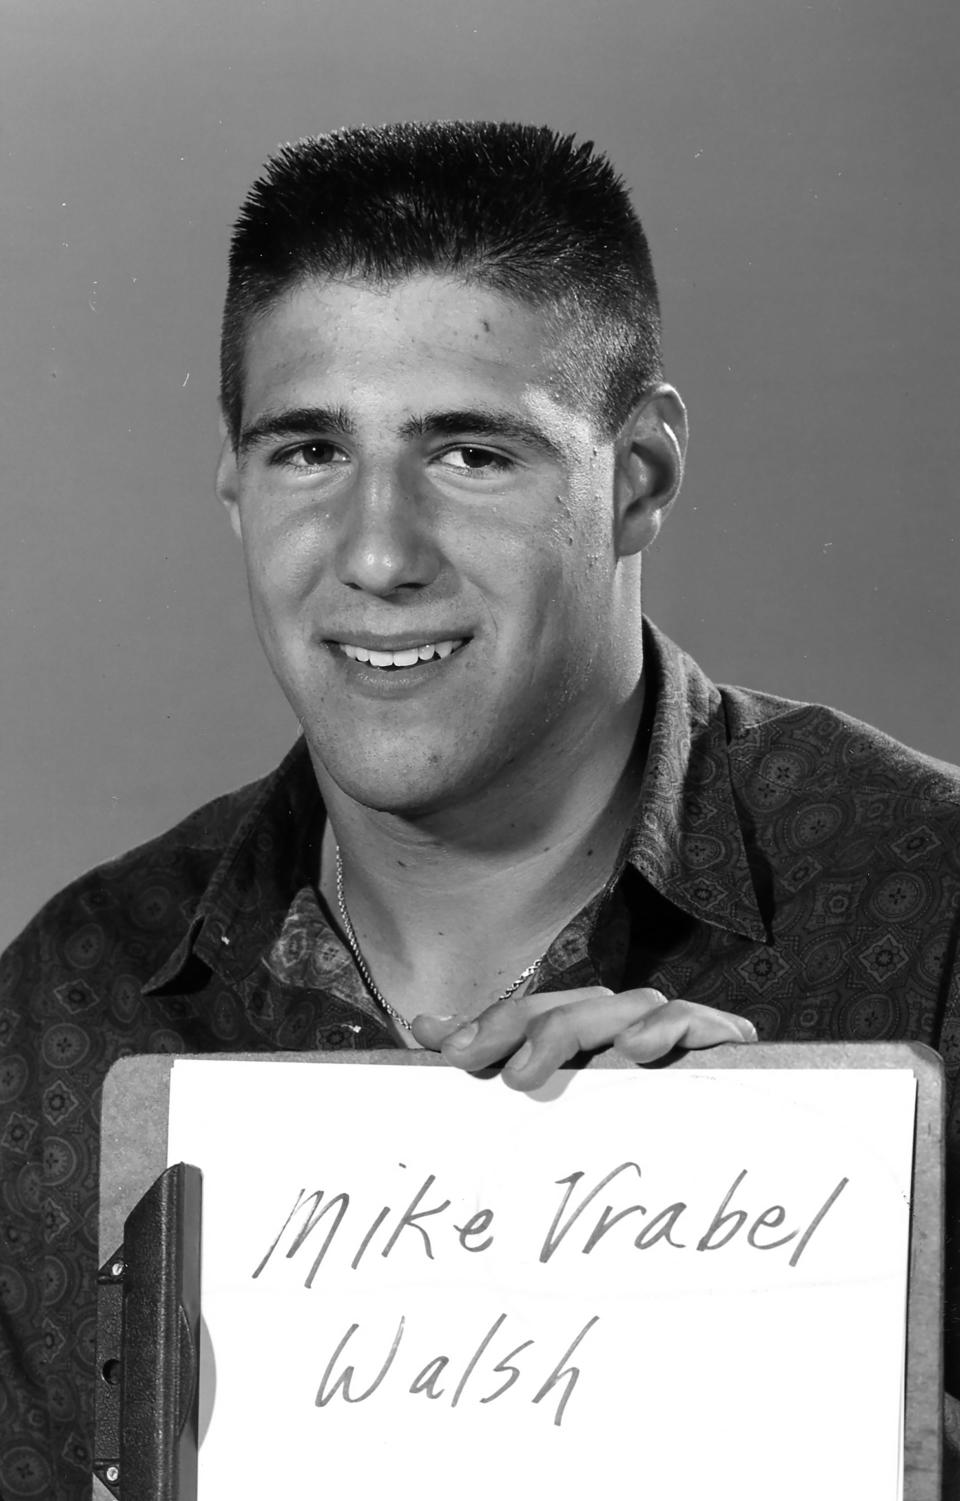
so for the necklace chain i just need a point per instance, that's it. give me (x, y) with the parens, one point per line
(368, 979)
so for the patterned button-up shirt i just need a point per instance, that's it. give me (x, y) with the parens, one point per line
(783, 861)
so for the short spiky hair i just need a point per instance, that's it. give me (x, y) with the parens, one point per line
(517, 209)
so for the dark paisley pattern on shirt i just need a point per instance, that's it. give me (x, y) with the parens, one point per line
(784, 862)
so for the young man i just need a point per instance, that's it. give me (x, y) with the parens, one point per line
(520, 824)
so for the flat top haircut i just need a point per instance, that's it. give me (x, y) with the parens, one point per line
(516, 209)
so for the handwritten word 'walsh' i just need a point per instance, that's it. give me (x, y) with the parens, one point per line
(676, 1225)
(432, 1379)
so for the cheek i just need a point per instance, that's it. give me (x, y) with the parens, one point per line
(283, 560)
(551, 587)
(581, 520)
(587, 555)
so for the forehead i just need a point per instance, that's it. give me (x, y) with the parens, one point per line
(426, 341)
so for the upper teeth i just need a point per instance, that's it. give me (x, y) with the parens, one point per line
(405, 658)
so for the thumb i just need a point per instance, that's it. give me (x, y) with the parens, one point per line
(430, 1031)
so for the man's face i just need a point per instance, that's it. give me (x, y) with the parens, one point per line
(408, 478)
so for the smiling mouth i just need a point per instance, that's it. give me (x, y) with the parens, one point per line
(409, 656)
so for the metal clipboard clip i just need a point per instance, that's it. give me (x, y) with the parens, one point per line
(148, 1339)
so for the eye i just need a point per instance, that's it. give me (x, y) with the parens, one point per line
(315, 455)
(470, 459)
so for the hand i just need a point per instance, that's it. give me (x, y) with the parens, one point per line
(540, 1033)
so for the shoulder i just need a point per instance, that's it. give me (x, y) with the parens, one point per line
(791, 747)
(793, 744)
(820, 787)
(135, 906)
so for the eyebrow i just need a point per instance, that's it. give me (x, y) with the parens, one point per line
(296, 422)
(480, 423)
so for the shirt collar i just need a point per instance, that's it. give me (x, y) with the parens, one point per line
(271, 853)
(685, 837)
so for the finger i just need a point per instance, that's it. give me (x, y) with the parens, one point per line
(497, 1032)
(500, 1028)
(554, 1037)
(682, 1024)
(430, 1031)
(508, 1020)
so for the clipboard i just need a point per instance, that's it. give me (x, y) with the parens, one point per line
(144, 1204)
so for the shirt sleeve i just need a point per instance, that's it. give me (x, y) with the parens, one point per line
(45, 1421)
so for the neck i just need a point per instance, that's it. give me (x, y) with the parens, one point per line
(481, 890)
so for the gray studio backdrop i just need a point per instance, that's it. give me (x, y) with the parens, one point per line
(795, 164)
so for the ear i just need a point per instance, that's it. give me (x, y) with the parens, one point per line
(650, 452)
(228, 480)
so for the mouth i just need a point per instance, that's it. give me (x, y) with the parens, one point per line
(400, 659)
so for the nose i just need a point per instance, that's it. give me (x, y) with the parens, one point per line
(385, 542)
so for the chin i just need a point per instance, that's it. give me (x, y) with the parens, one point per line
(410, 793)
(406, 803)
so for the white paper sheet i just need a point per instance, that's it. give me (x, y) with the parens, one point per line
(529, 1291)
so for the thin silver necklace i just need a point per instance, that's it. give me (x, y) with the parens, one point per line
(368, 979)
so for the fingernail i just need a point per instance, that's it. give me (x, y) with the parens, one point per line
(465, 1036)
(521, 1058)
